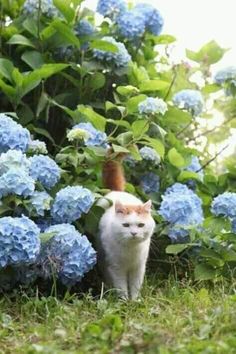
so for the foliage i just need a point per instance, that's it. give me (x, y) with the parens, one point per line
(84, 87)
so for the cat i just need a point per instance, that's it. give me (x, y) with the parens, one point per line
(125, 231)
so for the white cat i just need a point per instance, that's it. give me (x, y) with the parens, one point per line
(125, 231)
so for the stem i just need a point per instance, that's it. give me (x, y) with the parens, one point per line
(213, 158)
(182, 130)
(171, 85)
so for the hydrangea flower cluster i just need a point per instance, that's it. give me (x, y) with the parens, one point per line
(111, 8)
(19, 241)
(152, 106)
(191, 100)
(13, 159)
(31, 7)
(16, 181)
(12, 135)
(70, 203)
(90, 135)
(41, 201)
(131, 24)
(150, 182)
(84, 28)
(45, 170)
(119, 59)
(37, 147)
(226, 74)
(195, 166)
(67, 254)
(181, 207)
(150, 155)
(224, 205)
(153, 19)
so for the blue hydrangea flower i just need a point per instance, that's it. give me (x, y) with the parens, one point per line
(43, 223)
(13, 159)
(12, 135)
(195, 166)
(226, 74)
(149, 154)
(153, 20)
(152, 106)
(44, 170)
(178, 234)
(131, 24)
(234, 226)
(16, 181)
(111, 8)
(37, 147)
(19, 241)
(181, 209)
(67, 254)
(191, 100)
(41, 201)
(84, 28)
(65, 53)
(225, 205)
(150, 182)
(47, 8)
(70, 203)
(120, 59)
(92, 136)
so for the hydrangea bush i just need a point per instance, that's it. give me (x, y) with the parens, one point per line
(80, 89)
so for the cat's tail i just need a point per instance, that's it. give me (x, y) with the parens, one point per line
(113, 174)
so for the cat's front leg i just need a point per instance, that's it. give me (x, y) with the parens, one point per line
(119, 281)
(135, 281)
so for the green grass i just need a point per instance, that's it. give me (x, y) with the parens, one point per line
(171, 318)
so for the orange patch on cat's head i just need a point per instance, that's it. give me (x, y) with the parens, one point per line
(142, 209)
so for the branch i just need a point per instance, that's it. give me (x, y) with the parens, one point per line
(213, 158)
(171, 85)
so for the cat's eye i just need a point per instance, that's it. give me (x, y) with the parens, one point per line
(141, 224)
(125, 224)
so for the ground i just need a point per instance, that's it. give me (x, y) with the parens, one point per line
(171, 317)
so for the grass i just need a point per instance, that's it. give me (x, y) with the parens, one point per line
(170, 318)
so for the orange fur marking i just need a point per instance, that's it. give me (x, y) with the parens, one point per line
(128, 209)
(113, 176)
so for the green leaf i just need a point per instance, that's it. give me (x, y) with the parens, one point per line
(124, 138)
(6, 68)
(21, 40)
(118, 148)
(7, 89)
(97, 81)
(175, 116)
(103, 45)
(132, 103)
(210, 53)
(134, 151)
(175, 158)
(216, 224)
(139, 128)
(153, 85)
(30, 24)
(33, 58)
(66, 32)
(64, 7)
(176, 248)
(96, 119)
(127, 90)
(164, 39)
(156, 144)
(17, 77)
(210, 88)
(122, 123)
(204, 272)
(187, 175)
(42, 132)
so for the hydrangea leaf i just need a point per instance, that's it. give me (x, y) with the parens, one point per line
(154, 85)
(204, 272)
(175, 158)
(210, 53)
(6, 68)
(176, 249)
(33, 58)
(132, 103)
(104, 45)
(21, 40)
(139, 128)
(64, 7)
(187, 175)
(96, 119)
(66, 32)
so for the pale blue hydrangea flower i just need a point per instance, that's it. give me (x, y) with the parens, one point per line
(120, 59)
(47, 8)
(12, 135)
(195, 166)
(178, 234)
(191, 100)
(181, 208)
(16, 181)
(19, 241)
(152, 105)
(131, 24)
(13, 159)
(111, 8)
(67, 255)
(226, 74)
(150, 182)
(92, 136)
(70, 203)
(234, 226)
(225, 205)
(153, 20)
(37, 147)
(44, 170)
(84, 28)
(41, 201)
(149, 154)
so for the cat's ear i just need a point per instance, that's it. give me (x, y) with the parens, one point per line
(147, 206)
(119, 208)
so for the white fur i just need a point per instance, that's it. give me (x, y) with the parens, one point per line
(122, 255)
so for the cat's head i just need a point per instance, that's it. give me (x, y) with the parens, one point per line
(133, 222)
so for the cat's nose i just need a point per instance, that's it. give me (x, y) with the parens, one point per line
(133, 233)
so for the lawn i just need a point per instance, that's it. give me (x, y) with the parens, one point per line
(170, 318)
